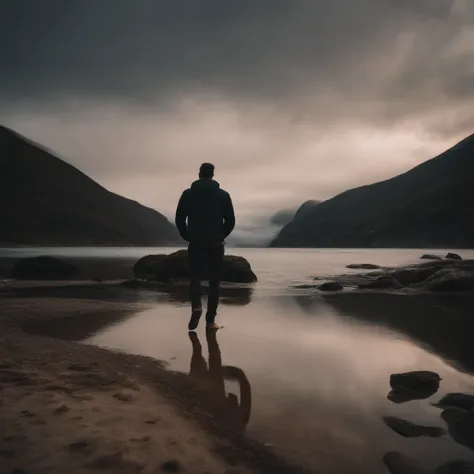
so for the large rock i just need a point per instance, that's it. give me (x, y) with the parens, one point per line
(175, 267)
(146, 267)
(454, 281)
(43, 268)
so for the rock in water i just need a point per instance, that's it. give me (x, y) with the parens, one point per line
(411, 430)
(43, 268)
(408, 395)
(331, 286)
(453, 256)
(416, 380)
(175, 267)
(429, 256)
(398, 463)
(464, 401)
(364, 266)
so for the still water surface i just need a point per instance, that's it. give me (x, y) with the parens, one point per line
(314, 370)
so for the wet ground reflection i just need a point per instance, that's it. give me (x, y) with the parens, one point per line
(442, 323)
(211, 379)
(234, 295)
(314, 374)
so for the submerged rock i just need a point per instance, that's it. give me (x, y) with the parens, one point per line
(453, 256)
(411, 430)
(43, 268)
(331, 286)
(417, 380)
(175, 267)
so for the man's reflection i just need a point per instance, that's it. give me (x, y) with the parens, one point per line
(212, 379)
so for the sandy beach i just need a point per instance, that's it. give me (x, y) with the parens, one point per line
(66, 406)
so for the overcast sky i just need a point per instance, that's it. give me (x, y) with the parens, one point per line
(291, 99)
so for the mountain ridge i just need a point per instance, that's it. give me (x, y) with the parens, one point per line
(46, 201)
(362, 216)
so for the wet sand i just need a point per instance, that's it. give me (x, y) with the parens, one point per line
(70, 407)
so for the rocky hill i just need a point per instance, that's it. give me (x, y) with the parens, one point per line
(431, 205)
(46, 201)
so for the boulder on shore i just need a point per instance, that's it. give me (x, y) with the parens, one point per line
(175, 267)
(43, 268)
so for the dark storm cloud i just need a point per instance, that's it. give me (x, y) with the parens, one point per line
(282, 51)
(291, 99)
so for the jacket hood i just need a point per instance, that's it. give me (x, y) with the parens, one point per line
(205, 185)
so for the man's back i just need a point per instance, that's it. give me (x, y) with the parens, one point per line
(209, 213)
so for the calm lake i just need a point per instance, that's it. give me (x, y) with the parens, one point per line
(313, 369)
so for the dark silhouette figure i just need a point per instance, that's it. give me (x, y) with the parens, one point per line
(225, 406)
(205, 218)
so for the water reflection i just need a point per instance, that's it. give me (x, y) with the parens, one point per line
(444, 323)
(212, 382)
(233, 295)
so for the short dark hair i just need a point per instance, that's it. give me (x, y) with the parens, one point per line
(206, 170)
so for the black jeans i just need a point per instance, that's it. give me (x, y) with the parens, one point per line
(205, 261)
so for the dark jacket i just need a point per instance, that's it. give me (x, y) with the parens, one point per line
(205, 214)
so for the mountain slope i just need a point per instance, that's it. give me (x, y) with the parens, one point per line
(431, 205)
(46, 201)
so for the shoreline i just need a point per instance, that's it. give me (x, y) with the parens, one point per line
(67, 405)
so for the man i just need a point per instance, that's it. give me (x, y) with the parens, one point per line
(205, 218)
